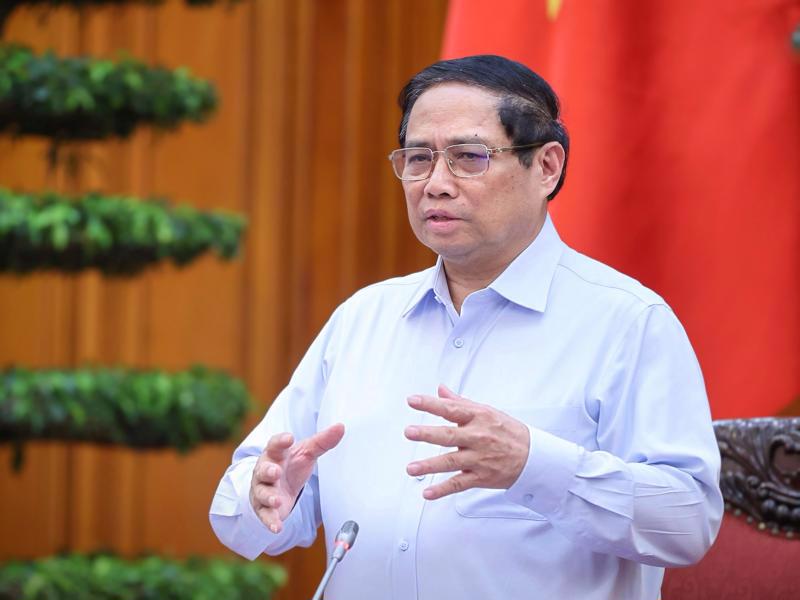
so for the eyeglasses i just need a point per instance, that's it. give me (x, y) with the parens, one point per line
(464, 160)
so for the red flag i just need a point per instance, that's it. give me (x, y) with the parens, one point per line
(685, 167)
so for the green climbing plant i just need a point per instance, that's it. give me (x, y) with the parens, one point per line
(117, 235)
(83, 98)
(135, 408)
(107, 577)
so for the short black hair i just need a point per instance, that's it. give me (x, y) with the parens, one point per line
(529, 109)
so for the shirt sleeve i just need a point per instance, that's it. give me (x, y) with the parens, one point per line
(296, 408)
(650, 493)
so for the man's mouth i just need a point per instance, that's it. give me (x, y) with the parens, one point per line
(439, 216)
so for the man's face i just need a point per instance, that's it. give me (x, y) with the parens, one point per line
(477, 224)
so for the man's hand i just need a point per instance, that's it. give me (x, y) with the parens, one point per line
(283, 469)
(492, 446)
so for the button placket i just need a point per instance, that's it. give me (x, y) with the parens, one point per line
(404, 575)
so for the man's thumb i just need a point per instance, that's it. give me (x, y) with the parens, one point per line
(322, 441)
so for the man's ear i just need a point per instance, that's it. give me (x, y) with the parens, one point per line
(549, 162)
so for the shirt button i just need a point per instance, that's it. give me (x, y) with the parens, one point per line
(403, 545)
(528, 498)
(458, 342)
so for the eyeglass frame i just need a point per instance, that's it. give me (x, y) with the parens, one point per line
(489, 153)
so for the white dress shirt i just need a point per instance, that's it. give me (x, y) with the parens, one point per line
(622, 474)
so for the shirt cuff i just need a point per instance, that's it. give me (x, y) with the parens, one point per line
(548, 473)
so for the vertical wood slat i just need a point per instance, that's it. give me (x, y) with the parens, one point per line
(308, 114)
(270, 177)
(302, 566)
(301, 116)
(104, 491)
(36, 331)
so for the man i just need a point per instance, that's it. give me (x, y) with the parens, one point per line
(518, 421)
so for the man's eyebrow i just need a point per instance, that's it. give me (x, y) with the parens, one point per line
(475, 139)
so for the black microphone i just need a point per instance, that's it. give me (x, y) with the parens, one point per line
(341, 544)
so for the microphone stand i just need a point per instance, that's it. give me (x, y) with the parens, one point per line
(324, 583)
(343, 542)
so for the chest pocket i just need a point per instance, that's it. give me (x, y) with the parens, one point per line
(481, 503)
(563, 421)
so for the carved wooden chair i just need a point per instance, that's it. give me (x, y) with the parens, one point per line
(757, 553)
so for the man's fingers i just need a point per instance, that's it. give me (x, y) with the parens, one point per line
(267, 504)
(267, 496)
(457, 483)
(454, 410)
(278, 445)
(270, 518)
(449, 437)
(267, 472)
(322, 441)
(444, 463)
(445, 392)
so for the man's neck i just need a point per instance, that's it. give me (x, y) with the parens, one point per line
(462, 282)
(466, 277)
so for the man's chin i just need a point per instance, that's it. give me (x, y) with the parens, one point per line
(442, 227)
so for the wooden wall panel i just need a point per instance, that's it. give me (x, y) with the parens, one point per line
(36, 329)
(299, 145)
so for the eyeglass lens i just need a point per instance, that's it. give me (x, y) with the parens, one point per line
(464, 160)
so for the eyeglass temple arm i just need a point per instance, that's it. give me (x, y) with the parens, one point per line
(507, 148)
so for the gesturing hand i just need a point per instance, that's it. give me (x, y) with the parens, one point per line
(283, 469)
(492, 447)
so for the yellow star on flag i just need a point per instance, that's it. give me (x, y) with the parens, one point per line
(553, 6)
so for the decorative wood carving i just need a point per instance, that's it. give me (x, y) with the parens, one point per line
(761, 471)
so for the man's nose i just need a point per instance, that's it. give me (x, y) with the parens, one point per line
(441, 181)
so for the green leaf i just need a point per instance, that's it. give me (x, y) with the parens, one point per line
(60, 236)
(99, 70)
(79, 98)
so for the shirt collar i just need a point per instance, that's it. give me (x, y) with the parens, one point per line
(526, 281)
(433, 283)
